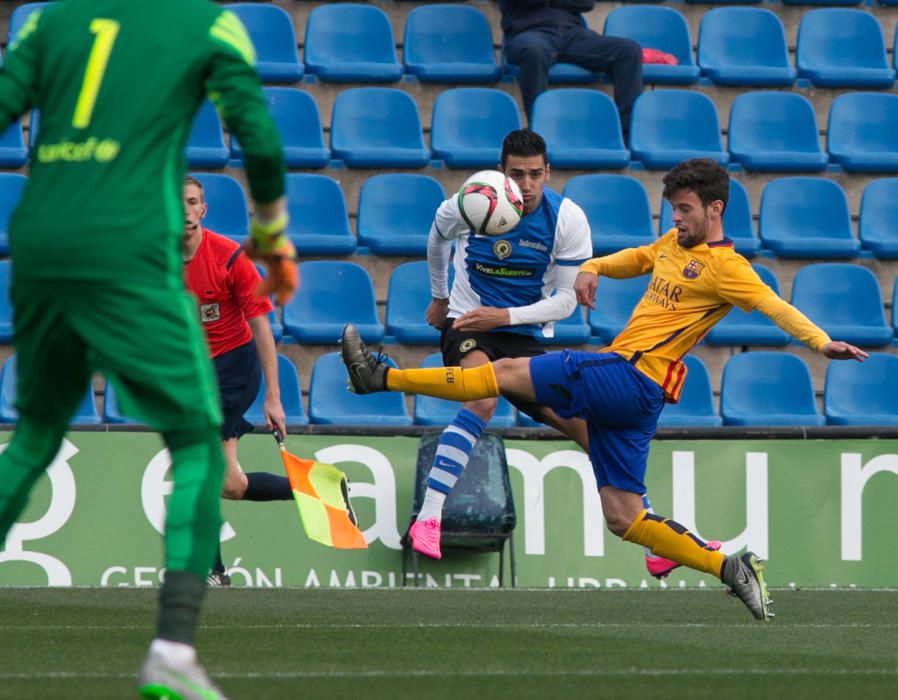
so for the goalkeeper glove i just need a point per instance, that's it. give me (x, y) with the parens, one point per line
(268, 242)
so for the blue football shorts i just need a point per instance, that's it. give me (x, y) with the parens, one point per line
(239, 377)
(618, 402)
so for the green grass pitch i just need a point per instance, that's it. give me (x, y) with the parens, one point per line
(477, 644)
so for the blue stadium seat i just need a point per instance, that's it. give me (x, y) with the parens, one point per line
(86, 414)
(227, 214)
(18, 18)
(468, 125)
(440, 412)
(844, 300)
(559, 73)
(449, 44)
(744, 46)
(617, 208)
(11, 187)
(291, 397)
(319, 223)
(615, 301)
(862, 393)
(767, 388)
(13, 151)
(860, 134)
(111, 411)
(5, 302)
(669, 126)
(806, 217)
(775, 131)
(375, 127)
(661, 28)
(581, 128)
(277, 328)
(841, 47)
(878, 214)
(296, 115)
(895, 307)
(331, 403)
(753, 328)
(695, 408)
(351, 42)
(271, 31)
(396, 211)
(737, 221)
(332, 294)
(408, 296)
(573, 330)
(205, 145)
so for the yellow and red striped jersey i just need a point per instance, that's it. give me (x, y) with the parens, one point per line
(690, 290)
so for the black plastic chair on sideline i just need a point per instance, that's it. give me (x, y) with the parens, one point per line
(479, 514)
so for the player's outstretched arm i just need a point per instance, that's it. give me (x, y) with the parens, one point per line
(839, 350)
(585, 288)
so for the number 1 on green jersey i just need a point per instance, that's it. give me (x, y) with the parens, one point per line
(106, 30)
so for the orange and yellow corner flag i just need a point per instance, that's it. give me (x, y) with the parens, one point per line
(322, 498)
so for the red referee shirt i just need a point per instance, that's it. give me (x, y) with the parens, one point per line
(224, 279)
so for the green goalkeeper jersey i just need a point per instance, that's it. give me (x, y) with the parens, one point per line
(116, 84)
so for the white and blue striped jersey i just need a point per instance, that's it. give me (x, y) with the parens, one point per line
(521, 268)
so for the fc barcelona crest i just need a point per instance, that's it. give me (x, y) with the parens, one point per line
(693, 269)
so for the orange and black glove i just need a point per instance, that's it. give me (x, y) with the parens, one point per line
(268, 242)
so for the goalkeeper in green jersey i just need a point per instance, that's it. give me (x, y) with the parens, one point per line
(96, 248)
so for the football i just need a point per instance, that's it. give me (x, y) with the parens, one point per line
(490, 203)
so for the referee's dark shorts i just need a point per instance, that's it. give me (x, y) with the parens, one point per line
(239, 376)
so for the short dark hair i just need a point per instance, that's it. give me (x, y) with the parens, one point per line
(522, 143)
(703, 176)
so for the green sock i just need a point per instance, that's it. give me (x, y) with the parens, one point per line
(180, 599)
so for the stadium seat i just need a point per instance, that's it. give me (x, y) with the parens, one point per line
(660, 28)
(319, 223)
(86, 413)
(617, 208)
(440, 412)
(895, 307)
(860, 134)
(752, 328)
(806, 217)
(695, 408)
(277, 328)
(374, 127)
(775, 132)
(13, 151)
(737, 221)
(291, 397)
(396, 211)
(271, 31)
(11, 187)
(767, 388)
(615, 301)
(878, 214)
(844, 300)
(408, 296)
(862, 393)
(351, 42)
(669, 126)
(573, 330)
(449, 44)
(559, 73)
(744, 46)
(332, 294)
(227, 214)
(296, 115)
(842, 47)
(18, 17)
(205, 145)
(331, 403)
(581, 128)
(468, 125)
(5, 302)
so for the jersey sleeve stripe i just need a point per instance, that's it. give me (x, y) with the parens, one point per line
(228, 30)
(27, 28)
(570, 263)
(233, 258)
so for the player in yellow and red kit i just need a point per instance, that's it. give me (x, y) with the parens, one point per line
(619, 392)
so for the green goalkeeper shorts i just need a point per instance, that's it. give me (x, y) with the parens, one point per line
(146, 340)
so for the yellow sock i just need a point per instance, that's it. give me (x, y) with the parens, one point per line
(667, 538)
(453, 383)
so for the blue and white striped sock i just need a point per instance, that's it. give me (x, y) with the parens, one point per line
(453, 453)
